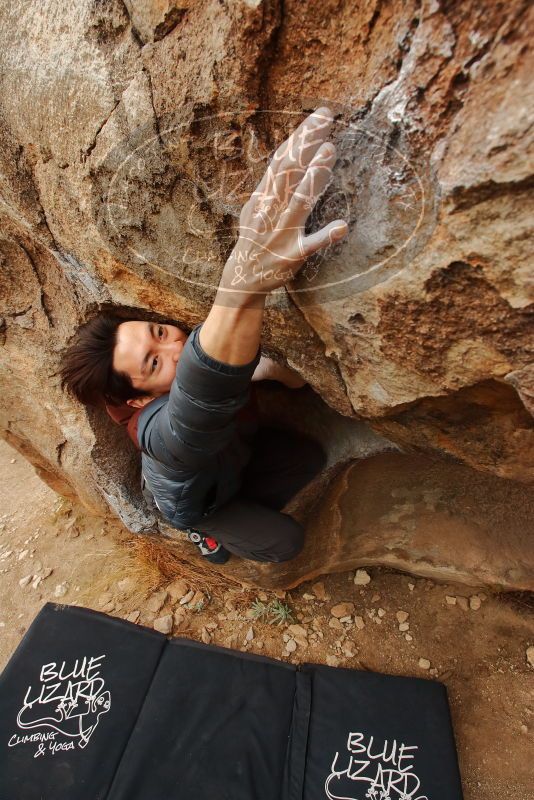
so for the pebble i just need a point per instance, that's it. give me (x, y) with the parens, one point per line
(348, 650)
(36, 581)
(342, 610)
(156, 601)
(126, 585)
(163, 624)
(291, 646)
(411, 586)
(474, 602)
(332, 661)
(408, 637)
(404, 626)
(25, 581)
(189, 596)
(450, 600)
(381, 612)
(205, 635)
(530, 655)
(307, 596)
(177, 589)
(424, 663)
(180, 618)
(319, 591)
(133, 616)
(359, 622)
(333, 622)
(402, 616)
(60, 590)
(297, 630)
(249, 635)
(23, 554)
(362, 577)
(463, 603)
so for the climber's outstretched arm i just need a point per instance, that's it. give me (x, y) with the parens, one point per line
(272, 246)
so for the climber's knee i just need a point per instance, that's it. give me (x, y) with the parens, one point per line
(290, 542)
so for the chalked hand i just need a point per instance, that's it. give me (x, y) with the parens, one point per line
(272, 246)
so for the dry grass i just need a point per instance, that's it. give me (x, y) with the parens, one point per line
(151, 563)
(170, 562)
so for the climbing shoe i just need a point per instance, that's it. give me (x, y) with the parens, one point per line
(210, 549)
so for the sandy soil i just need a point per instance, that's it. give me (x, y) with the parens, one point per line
(476, 644)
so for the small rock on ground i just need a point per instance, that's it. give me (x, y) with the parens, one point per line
(319, 591)
(475, 602)
(342, 610)
(155, 602)
(177, 589)
(362, 577)
(163, 624)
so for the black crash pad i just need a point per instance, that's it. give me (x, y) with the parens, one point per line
(96, 708)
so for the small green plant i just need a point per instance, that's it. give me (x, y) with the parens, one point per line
(281, 613)
(259, 610)
(198, 606)
(274, 612)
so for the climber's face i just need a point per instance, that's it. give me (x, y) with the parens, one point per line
(148, 352)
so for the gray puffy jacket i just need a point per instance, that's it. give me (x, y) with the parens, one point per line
(193, 452)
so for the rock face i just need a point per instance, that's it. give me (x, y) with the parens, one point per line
(131, 135)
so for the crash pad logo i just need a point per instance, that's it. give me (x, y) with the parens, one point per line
(370, 770)
(64, 708)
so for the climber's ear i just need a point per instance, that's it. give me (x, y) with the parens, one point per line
(140, 402)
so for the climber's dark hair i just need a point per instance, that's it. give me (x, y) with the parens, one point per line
(87, 364)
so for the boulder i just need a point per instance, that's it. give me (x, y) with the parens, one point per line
(131, 134)
(416, 513)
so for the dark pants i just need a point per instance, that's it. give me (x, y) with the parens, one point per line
(251, 524)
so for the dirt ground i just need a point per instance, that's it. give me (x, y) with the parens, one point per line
(475, 641)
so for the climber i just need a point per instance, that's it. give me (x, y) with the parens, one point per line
(207, 464)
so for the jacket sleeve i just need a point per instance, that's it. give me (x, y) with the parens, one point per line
(198, 420)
